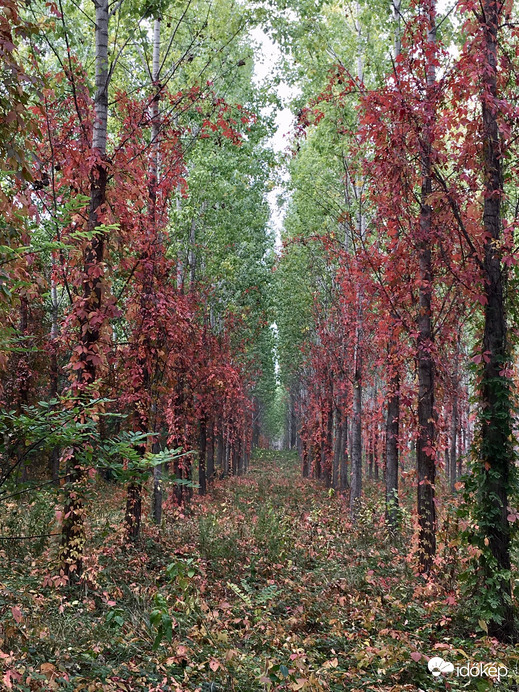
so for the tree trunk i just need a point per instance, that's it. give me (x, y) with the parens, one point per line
(316, 454)
(356, 433)
(178, 472)
(188, 476)
(158, 492)
(305, 468)
(343, 461)
(370, 452)
(220, 449)
(234, 458)
(425, 450)
(54, 377)
(241, 457)
(202, 457)
(356, 438)
(337, 449)
(464, 447)
(210, 451)
(72, 539)
(392, 428)
(496, 445)
(133, 510)
(454, 438)
(226, 456)
(158, 471)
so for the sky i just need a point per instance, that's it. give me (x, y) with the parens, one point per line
(267, 59)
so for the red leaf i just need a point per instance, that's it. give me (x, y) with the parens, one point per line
(17, 614)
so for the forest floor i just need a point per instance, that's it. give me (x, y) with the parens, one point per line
(262, 585)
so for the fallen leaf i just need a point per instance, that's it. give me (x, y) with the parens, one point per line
(17, 614)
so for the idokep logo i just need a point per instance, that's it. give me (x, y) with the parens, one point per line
(437, 666)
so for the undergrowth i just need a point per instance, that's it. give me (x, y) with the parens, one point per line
(263, 585)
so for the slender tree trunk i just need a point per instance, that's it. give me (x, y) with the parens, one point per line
(178, 473)
(234, 458)
(158, 491)
(210, 451)
(343, 461)
(133, 512)
(192, 255)
(227, 455)
(244, 458)
(395, 5)
(454, 439)
(54, 377)
(425, 446)
(220, 449)
(392, 429)
(241, 457)
(328, 445)
(356, 429)
(158, 494)
(464, 448)
(305, 469)
(356, 434)
(72, 538)
(155, 120)
(370, 451)
(317, 468)
(337, 448)
(158, 471)
(188, 476)
(202, 457)
(393, 399)
(496, 445)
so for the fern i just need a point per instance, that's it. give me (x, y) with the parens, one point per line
(267, 594)
(250, 596)
(245, 597)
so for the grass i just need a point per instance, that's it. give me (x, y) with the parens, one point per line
(265, 585)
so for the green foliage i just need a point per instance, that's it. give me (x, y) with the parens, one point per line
(160, 621)
(115, 618)
(181, 572)
(71, 422)
(492, 470)
(221, 233)
(220, 548)
(251, 597)
(271, 531)
(126, 462)
(22, 517)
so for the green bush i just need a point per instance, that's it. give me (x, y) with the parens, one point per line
(28, 517)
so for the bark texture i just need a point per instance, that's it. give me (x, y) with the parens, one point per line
(496, 449)
(72, 538)
(425, 446)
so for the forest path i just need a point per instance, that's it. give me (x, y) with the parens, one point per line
(294, 597)
(262, 585)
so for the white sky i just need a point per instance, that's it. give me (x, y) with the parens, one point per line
(267, 60)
